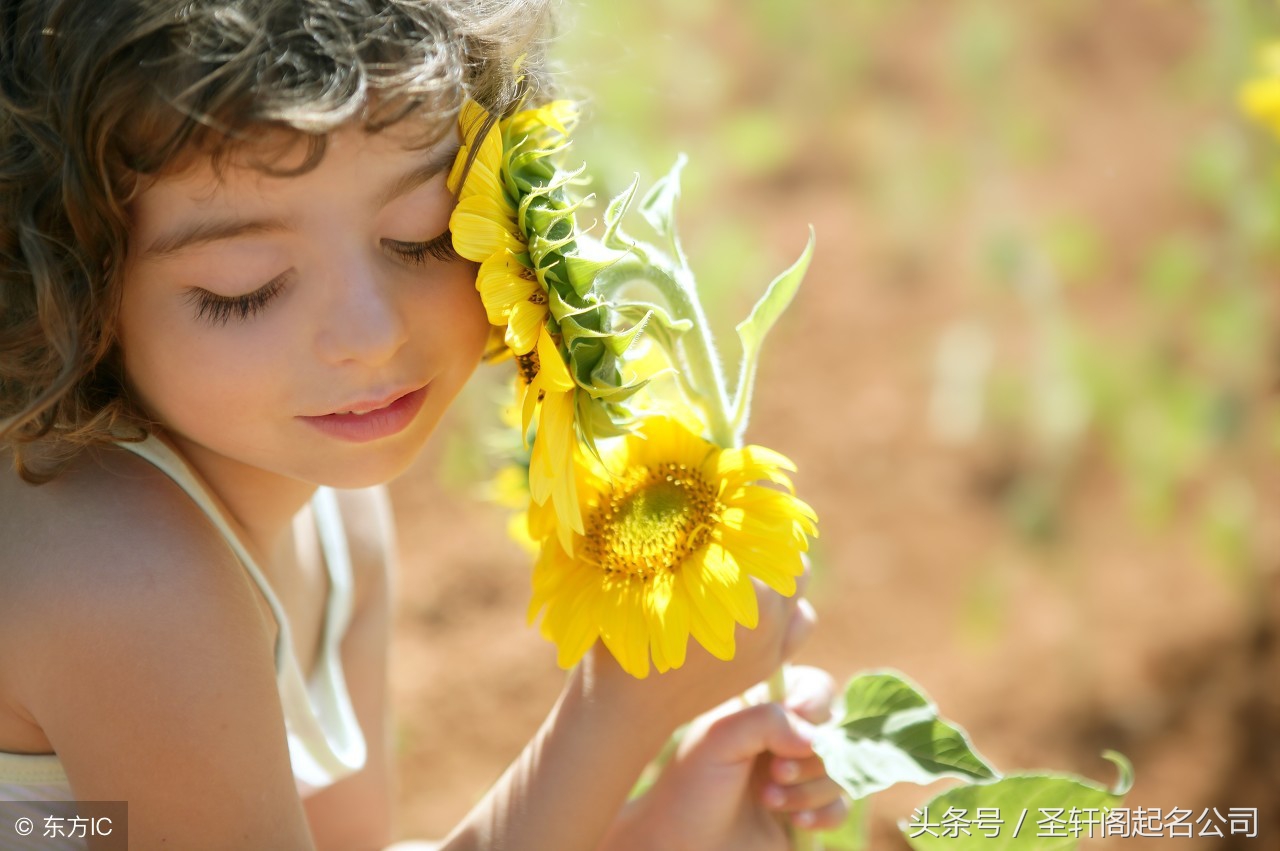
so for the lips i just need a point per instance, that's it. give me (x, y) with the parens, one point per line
(381, 418)
(369, 405)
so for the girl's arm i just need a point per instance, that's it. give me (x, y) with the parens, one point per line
(569, 785)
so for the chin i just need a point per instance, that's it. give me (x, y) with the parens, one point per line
(351, 474)
(367, 465)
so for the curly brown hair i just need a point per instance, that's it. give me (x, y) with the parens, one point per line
(95, 94)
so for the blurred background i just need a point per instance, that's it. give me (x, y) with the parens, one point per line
(1030, 381)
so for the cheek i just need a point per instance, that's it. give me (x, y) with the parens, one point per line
(178, 370)
(459, 323)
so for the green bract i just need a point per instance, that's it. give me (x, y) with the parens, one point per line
(591, 334)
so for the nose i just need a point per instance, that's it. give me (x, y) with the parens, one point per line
(363, 321)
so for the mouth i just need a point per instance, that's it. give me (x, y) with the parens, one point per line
(365, 407)
(372, 420)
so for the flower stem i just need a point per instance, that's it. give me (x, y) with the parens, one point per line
(704, 362)
(800, 840)
(696, 349)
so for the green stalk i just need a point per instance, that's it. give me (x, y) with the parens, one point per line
(695, 350)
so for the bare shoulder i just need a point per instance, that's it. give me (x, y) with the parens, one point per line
(104, 527)
(133, 639)
(110, 548)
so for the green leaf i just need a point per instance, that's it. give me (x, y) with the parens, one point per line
(890, 733)
(659, 204)
(619, 341)
(636, 310)
(613, 236)
(753, 329)
(1035, 812)
(878, 695)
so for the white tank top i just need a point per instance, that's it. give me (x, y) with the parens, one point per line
(325, 740)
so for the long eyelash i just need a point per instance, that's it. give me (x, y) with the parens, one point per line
(219, 309)
(440, 248)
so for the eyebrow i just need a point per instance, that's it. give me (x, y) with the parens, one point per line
(406, 183)
(214, 230)
(210, 230)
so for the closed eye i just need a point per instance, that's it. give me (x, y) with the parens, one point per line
(217, 309)
(418, 253)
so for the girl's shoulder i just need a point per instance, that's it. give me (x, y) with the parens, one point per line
(109, 541)
(106, 512)
(131, 637)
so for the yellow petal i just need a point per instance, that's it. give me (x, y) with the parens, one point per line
(583, 625)
(753, 464)
(482, 229)
(715, 641)
(524, 323)
(502, 286)
(454, 180)
(541, 521)
(777, 569)
(485, 182)
(553, 375)
(704, 605)
(664, 439)
(731, 586)
(668, 621)
(556, 427)
(471, 120)
(558, 115)
(768, 508)
(622, 628)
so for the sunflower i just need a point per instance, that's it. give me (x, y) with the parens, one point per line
(673, 539)
(486, 229)
(490, 226)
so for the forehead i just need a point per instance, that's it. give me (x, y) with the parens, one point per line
(274, 157)
(282, 163)
(358, 175)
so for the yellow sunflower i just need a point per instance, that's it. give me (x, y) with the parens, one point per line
(558, 115)
(486, 230)
(673, 538)
(1260, 97)
(546, 388)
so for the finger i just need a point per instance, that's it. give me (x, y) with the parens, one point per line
(811, 795)
(810, 693)
(800, 627)
(824, 818)
(746, 734)
(790, 772)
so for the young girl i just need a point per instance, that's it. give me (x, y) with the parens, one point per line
(228, 287)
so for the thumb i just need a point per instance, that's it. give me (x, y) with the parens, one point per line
(741, 736)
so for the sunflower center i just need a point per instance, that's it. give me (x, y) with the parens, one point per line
(652, 519)
(527, 366)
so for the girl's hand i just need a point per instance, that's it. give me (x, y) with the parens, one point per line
(738, 774)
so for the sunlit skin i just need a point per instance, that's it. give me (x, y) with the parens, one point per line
(354, 315)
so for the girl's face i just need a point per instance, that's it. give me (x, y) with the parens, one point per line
(257, 310)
